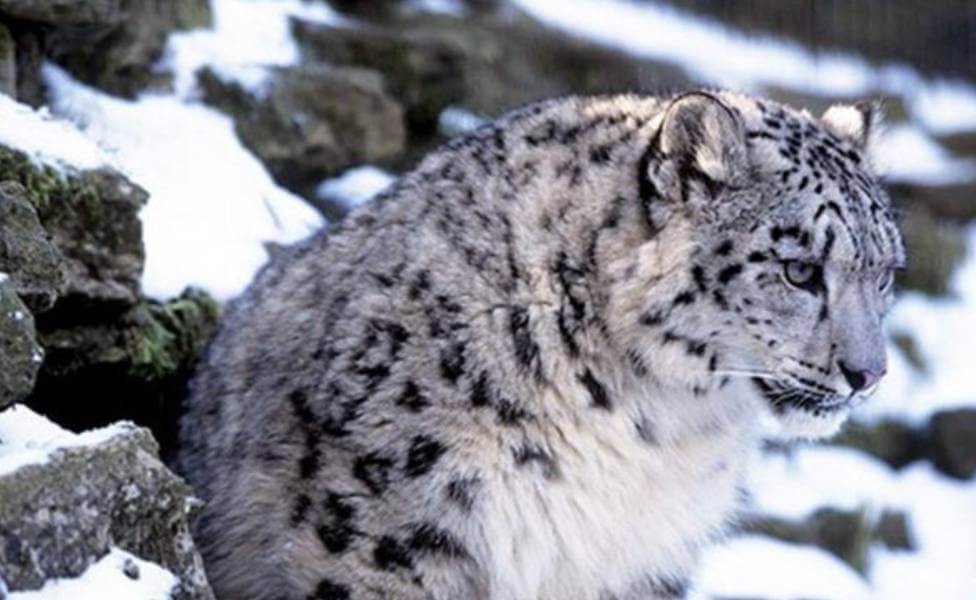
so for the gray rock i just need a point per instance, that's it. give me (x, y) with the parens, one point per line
(937, 248)
(511, 59)
(313, 122)
(847, 534)
(64, 12)
(34, 263)
(94, 222)
(953, 435)
(111, 44)
(423, 72)
(896, 443)
(20, 355)
(59, 517)
(951, 201)
(92, 219)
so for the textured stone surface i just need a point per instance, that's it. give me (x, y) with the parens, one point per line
(92, 219)
(34, 263)
(65, 12)
(423, 73)
(20, 355)
(59, 517)
(314, 121)
(96, 227)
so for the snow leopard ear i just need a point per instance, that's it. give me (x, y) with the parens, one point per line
(857, 123)
(701, 139)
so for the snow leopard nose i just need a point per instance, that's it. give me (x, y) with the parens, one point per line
(860, 379)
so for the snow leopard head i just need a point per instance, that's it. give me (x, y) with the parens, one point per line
(793, 249)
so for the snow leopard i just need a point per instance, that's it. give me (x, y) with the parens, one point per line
(539, 364)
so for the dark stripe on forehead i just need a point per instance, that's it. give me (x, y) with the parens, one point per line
(828, 246)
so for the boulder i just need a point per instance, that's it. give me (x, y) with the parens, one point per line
(92, 220)
(65, 12)
(34, 264)
(110, 44)
(20, 355)
(953, 435)
(65, 509)
(953, 202)
(847, 534)
(423, 72)
(896, 443)
(311, 122)
(936, 247)
(510, 59)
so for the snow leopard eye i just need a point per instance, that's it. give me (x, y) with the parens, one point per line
(804, 275)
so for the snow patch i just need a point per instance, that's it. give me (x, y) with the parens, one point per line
(355, 186)
(107, 578)
(46, 140)
(212, 204)
(759, 567)
(452, 8)
(249, 37)
(726, 57)
(908, 154)
(27, 438)
(454, 121)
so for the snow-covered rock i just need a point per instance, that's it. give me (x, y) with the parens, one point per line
(67, 500)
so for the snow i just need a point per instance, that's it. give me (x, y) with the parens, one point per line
(27, 438)
(212, 204)
(248, 38)
(911, 396)
(715, 53)
(454, 121)
(46, 140)
(759, 567)
(106, 578)
(356, 186)
(942, 518)
(908, 154)
(453, 8)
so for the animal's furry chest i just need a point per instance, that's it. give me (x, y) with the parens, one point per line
(617, 511)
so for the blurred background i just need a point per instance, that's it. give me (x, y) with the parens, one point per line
(153, 153)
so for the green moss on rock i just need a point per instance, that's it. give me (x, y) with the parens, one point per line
(170, 336)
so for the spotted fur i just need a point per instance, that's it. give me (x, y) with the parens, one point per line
(537, 365)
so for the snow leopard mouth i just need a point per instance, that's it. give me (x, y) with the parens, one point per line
(783, 397)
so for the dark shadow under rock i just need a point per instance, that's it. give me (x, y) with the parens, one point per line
(147, 354)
